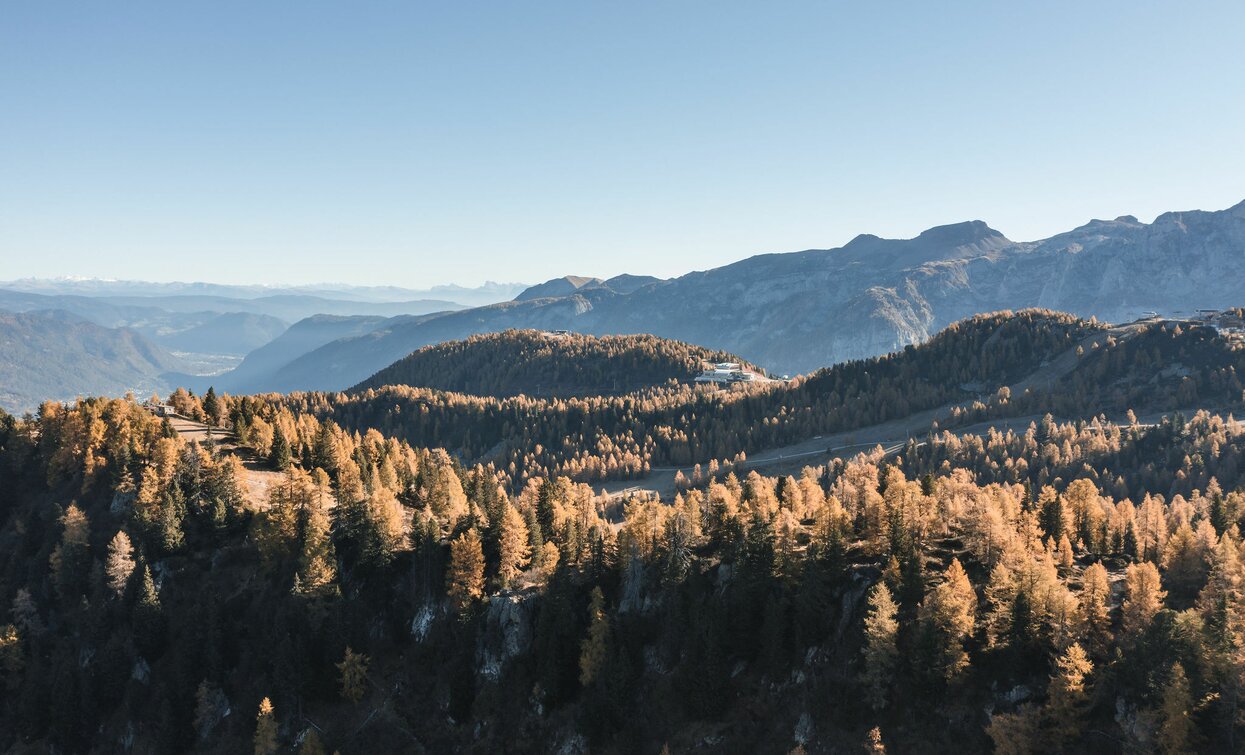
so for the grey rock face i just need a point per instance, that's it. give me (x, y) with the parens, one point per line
(510, 626)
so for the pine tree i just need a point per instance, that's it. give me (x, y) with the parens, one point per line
(1221, 604)
(382, 528)
(317, 566)
(1068, 697)
(948, 616)
(545, 512)
(25, 614)
(535, 538)
(280, 456)
(1053, 521)
(312, 744)
(210, 707)
(1143, 598)
(353, 669)
(1065, 555)
(514, 551)
(211, 406)
(1019, 733)
(873, 742)
(12, 658)
(265, 729)
(120, 563)
(593, 648)
(148, 613)
(1096, 610)
(881, 651)
(1000, 593)
(169, 535)
(71, 559)
(1177, 732)
(465, 579)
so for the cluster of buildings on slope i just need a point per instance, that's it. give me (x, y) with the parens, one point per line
(1224, 322)
(159, 408)
(722, 373)
(1227, 324)
(729, 373)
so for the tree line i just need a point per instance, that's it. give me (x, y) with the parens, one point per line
(379, 596)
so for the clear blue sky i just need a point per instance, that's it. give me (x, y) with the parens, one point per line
(417, 143)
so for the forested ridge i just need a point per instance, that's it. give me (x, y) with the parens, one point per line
(598, 437)
(968, 367)
(1073, 586)
(535, 363)
(911, 603)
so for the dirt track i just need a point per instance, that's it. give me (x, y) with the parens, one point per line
(257, 479)
(891, 435)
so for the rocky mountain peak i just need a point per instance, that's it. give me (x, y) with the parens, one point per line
(968, 233)
(566, 285)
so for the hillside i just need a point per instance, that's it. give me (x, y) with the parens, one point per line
(625, 436)
(53, 355)
(232, 333)
(214, 326)
(256, 371)
(535, 363)
(1081, 580)
(987, 368)
(569, 284)
(796, 312)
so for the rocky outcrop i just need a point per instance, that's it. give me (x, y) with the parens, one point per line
(509, 626)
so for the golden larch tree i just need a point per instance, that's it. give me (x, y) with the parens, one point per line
(265, 729)
(465, 580)
(880, 651)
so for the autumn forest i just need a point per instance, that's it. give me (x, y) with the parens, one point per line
(1053, 563)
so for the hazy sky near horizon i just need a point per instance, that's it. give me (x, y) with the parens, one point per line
(414, 143)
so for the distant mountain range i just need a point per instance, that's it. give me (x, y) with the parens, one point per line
(571, 284)
(487, 293)
(132, 335)
(57, 355)
(795, 312)
(789, 313)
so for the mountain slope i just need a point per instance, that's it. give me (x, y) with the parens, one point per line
(567, 284)
(537, 364)
(1048, 363)
(53, 355)
(684, 424)
(288, 307)
(255, 373)
(799, 311)
(796, 312)
(235, 333)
